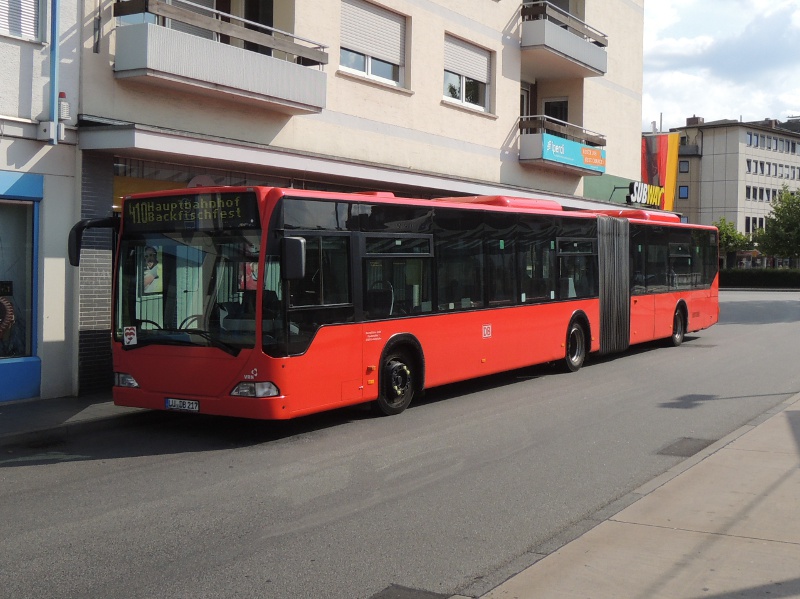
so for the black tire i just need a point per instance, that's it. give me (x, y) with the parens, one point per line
(397, 384)
(576, 347)
(678, 328)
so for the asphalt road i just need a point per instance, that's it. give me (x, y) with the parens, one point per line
(469, 486)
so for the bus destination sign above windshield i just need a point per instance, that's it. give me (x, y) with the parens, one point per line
(198, 212)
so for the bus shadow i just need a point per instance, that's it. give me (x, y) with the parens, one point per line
(169, 433)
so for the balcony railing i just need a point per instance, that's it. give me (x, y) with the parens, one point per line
(194, 46)
(542, 10)
(540, 123)
(558, 45)
(561, 145)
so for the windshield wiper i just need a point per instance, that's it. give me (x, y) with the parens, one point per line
(218, 343)
(167, 340)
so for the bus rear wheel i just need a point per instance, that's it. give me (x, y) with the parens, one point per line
(576, 347)
(397, 384)
(678, 328)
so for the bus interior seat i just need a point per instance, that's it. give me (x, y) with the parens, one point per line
(379, 302)
(248, 303)
(271, 304)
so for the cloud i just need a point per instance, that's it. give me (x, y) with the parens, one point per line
(721, 60)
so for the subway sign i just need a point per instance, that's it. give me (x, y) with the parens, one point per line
(649, 195)
(197, 212)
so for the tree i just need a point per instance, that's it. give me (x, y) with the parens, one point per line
(781, 233)
(730, 241)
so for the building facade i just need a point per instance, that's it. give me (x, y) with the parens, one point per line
(38, 197)
(734, 170)
(421, 97)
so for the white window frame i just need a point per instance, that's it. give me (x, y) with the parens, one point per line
(378, 35)
(469, 63)
(29, 15)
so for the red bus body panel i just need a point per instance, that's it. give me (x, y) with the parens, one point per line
(340, 366)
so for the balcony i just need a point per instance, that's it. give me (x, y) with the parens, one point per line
(545, 141)
(204, 51)
(557, 45)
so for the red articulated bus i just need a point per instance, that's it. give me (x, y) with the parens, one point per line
(274, 303)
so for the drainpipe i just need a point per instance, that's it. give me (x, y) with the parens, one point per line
(54, 60)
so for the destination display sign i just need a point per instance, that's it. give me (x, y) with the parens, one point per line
(196, 212)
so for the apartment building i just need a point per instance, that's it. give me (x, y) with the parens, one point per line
(420, 97)
(735, 170)
(38, 197)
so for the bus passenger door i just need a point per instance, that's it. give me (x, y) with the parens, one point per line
(324, 342)
(642, 303)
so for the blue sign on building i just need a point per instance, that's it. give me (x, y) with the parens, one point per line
(566, 151)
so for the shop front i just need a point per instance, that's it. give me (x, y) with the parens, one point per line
(20, 367)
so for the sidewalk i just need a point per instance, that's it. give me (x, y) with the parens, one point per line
(48, 420)
(720, 525)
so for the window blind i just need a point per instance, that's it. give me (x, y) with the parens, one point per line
(20, 18)
(374, 31)
(465, 59)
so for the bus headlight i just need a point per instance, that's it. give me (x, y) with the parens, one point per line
(122, 379)
(251, 389)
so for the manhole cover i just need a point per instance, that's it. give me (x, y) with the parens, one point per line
(685, 447)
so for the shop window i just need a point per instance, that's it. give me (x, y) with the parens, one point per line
(16, 278)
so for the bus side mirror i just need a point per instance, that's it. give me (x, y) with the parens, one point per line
(76, 234)
(293, 266)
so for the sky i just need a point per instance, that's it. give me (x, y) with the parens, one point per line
(720, 59)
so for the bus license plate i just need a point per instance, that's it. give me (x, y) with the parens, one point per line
(184, 405)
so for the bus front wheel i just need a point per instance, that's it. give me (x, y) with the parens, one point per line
(678, 328)
(576, 347)
(397, 384)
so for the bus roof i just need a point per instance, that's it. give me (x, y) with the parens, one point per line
(506, 202)
(500, 202)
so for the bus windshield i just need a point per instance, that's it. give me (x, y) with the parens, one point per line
(188, 288)
(188, 270)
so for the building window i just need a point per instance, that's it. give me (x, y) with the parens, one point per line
(373, 41)
(683, 192)
(760, 223)
(747, 192)
(683, 166)
(775, 143)
(781, 145)
(760, 194)
(749, 165)
(761, 167)
(769, 169)
(747, 224)
(20, 18)
(764, 141)
(749, 138)
(467, 73)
